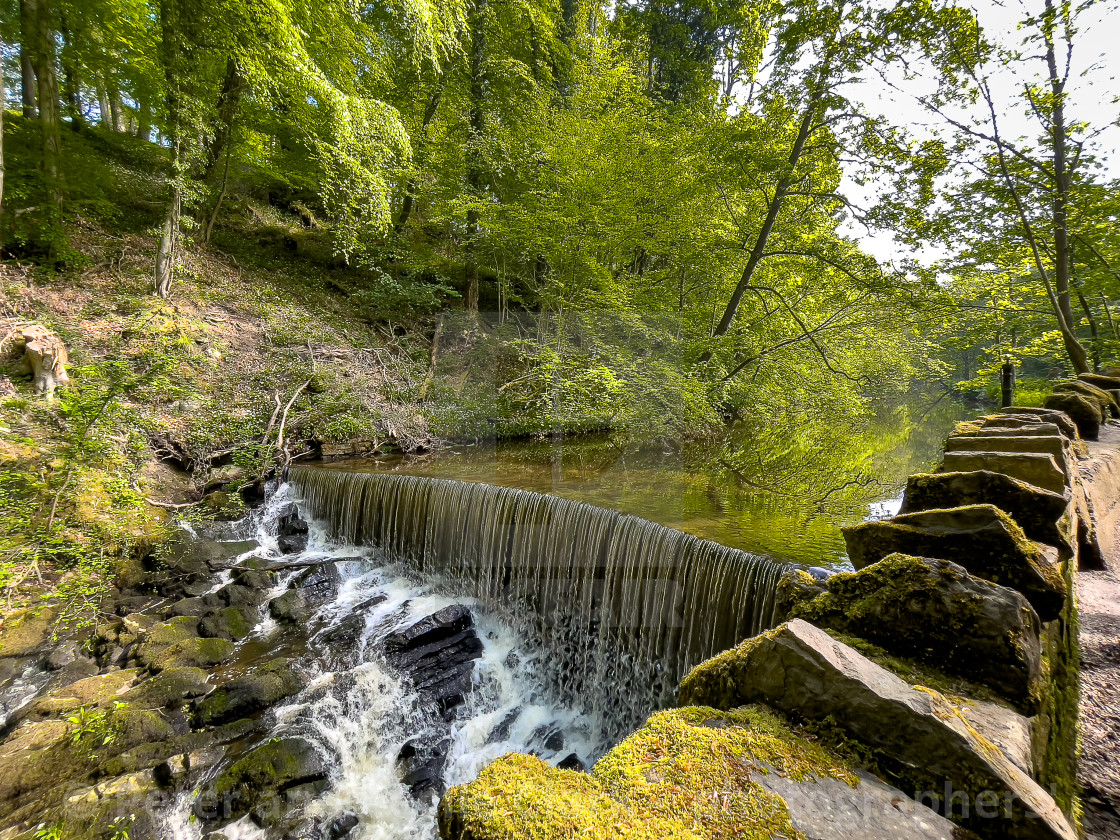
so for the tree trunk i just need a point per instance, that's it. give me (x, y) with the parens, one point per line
(1094, 329)
(808, 120)
(48, 102)
(474, 166)
(228, 100)
(410, 188)
(70, 82)
(144, 122)
(105, 115)
(116, 108)
(169, 237)
(3, 104)
(168, 244)
(27, 47)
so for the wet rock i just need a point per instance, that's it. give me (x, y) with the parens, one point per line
(101, 691)
(421, 764)
(345, 635)
(501, 731)
(27, 631)
(1033, 468)
(981, 538)
(191, 653)
(1038, 512)
(1085, 413)
(1055, 446)
(257, 777)
(258, 579)
(169, 689)
(245, 696)
(437, 653)
(932, 611)
(572, 762)
(921, 739)
(193, 607)
(1103, 398)
(311, 588)
(341, 826)
(66, 653)
(231, 623)
(237, 595)
(160, 636)
(291, 531)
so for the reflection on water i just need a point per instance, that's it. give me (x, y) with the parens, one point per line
(776, 490)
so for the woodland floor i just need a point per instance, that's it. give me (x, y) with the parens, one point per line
(1099, 772)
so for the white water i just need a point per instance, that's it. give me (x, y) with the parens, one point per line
(359, 715)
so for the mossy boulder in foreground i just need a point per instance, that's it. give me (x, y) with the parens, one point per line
(917, 736)
(690, 773)
(1040, 513)
(932, 611)
(1086, 413)
(982, 538)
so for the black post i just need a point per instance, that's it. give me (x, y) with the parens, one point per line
(1007, 382)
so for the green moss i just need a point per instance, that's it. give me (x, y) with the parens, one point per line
(715, 678)
(687, 773)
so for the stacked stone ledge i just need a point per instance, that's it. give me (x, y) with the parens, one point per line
(941, 675)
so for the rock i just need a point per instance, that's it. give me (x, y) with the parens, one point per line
(928, 746)
(1107, 401)
(169, 689)
(420, 764)
(101, 691)
(191, 653)
(437, 653)
(1033, 468)
(1029, 415)
(572, 762)
(221, 476)
(232, 623)
(1054, 446)
(163, 635)
(1108, 383)
(25, 632)
(237, 595)
(311, 588)
(1007, 425)
(247, 695)
(64, 654)
(1085, 413)
(291, 531)
(293, 544)
(932, 611)
(1038, 512)
(981, 538)
(193, 607)
(690, 773)
(256, 777)
(341, 826)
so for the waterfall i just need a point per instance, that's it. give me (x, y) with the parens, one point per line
(623, 607)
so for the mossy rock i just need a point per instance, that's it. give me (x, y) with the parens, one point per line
(1086, 413)
(192, 653)
(25, 632)
(1107, 402)
(231, 623)
(1032, 416)
(247, 695)
(932, 611)
(981, 538)
(1036, 468)
(102, 691)
(169, 689)
(1055, 446)
(257, 776)
(1042, 514)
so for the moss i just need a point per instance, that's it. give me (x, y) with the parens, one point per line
(715, 678)
(687, 773)
(192, 653)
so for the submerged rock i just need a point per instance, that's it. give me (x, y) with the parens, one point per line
(1033, 468)
(920, 738)
(1040, 513)
(1084, 412)
(981, 538)
(934, 612)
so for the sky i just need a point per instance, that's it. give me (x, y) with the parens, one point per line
(1094, 90)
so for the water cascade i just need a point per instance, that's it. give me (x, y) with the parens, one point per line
(624, 607)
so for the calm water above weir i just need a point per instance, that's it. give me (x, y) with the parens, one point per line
(783, 494)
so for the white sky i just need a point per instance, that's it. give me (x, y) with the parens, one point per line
(1094, 89)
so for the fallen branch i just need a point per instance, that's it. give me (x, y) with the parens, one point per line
(170, 506)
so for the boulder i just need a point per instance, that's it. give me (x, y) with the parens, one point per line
(1040, 513)
(257, 777)
(291, 531)
(437, 653)
(231, 623)
(311, 588)
(981, 538)
(932, 611)
(169, 689)
(1085, 413)
(1107, 401)
(1055, 446)
(25, 632)
(191, 653)
(247, 695)
(919, 737)
(697, 773)
(1108, 383)
(1032, 467)
(1009, 426)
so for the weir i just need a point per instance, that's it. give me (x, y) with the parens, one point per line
(623, 607)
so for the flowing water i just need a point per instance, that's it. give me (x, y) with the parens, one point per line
(588, 615)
